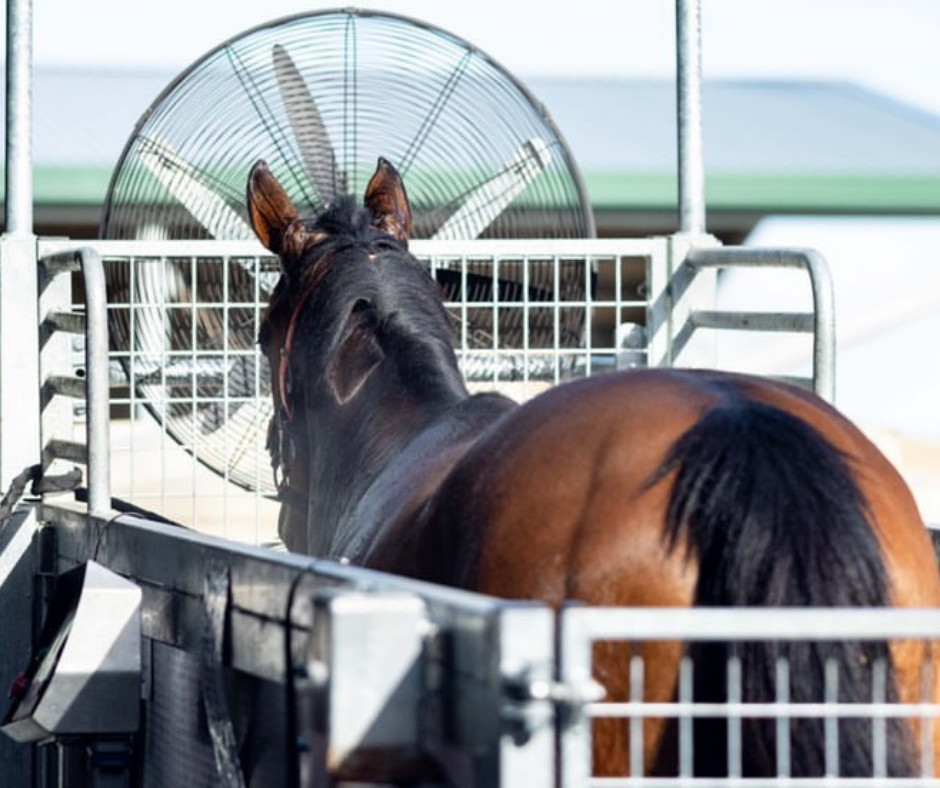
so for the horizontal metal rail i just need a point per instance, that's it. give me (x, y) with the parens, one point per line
(58, 449)
(66, 386)
(69, 322)
(797, 322)
(483, 249)
(736, 623)
(678, 709)
(764, 782)
(169, 562)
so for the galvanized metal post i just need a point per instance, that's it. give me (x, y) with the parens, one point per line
(19, 106)
(689, 106)
(19, 326)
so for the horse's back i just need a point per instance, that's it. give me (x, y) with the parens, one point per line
(558, 500)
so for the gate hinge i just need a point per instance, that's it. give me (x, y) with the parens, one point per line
(533, 700)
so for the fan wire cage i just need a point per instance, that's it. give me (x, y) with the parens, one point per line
(320, 97)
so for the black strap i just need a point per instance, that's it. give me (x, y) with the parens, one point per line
(125, 507)
(40, 484)
(15, 492)
(70, 480)
(221, 731)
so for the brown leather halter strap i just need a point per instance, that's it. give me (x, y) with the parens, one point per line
(283, 372)
(284, 454)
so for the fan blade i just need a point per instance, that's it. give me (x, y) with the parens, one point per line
(490, 198)
(307, 125)
(189, 185)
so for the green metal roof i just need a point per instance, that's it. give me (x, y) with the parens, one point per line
(87, 185)
(771, 192)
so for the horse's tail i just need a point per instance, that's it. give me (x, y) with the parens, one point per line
(773, 516)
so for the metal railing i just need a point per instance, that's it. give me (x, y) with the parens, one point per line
(820, 322)
(189, 387)
(583, 629)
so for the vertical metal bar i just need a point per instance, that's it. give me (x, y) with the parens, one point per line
(225, 405)
(526, 354)
(133, 264)
(19, 311)
(194, 388)
(574, 668)
(824, 328)
(527, 652)
(97, 424)
(831, 721)
(256, 370)
(927, 723)
(589, 319)
(494, 297)
(735, 697)
(783, 722)
(165, 403)
(19, 105)
(689, 111)
(686, 719)
(465, 357)
(556, 320)
(636, 723)
(879, 730)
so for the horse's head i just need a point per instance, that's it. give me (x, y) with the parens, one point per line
(328, 267)
(355, 322)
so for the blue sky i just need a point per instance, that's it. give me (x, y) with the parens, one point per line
(889, 45)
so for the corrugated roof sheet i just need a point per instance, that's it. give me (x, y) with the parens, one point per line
(793, 145)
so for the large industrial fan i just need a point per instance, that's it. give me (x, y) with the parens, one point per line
(320, 97)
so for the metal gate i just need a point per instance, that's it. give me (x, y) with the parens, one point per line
(583, 630)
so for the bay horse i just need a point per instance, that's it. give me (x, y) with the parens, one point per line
(666, 487)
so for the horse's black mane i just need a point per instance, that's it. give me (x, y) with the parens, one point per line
(346, 219)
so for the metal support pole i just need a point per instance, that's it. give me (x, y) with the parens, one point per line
(19, 105)
(689, 110)
(19, 321)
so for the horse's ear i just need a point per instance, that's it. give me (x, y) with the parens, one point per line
(356, 355)
(269, 208)
(385, 197)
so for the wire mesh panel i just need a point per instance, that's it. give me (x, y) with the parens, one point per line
(190, 390)
(679, 705)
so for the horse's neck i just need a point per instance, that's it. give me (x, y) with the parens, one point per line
(385, 461)
(350, 449)
(394, 498)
